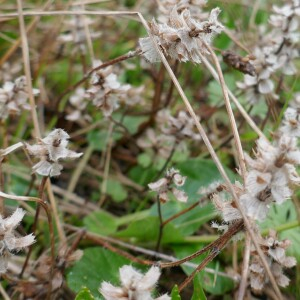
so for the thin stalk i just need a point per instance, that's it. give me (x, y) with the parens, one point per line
(35, 222)
(217, 244)
(123, 253)
(3, 293)
(70, 13)
(26, 61)
(79, 169)
(234, 127)
(54, 208)
(191, 207)
(245, 269)
(88, 36)
(234, 99)
(158, 92)
(161, 224)
(1, 188)
(215, 250)
(106, 165)
(166, 163)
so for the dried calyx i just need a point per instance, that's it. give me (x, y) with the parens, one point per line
(9, 243)
(134, 285)
(50, 150)
(275, 252)
(169, 183)
(183, 37)
(13, 97)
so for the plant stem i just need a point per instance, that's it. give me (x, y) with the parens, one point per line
(34, 226)
(161, 224)
(245, 268)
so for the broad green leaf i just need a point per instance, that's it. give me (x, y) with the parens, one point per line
(180, 156)
(198, 290)
(116, 190)
(132, 123)
(84, 294)
(212, 283)
(200, 173)
(144, 160)
(215, 91)
(96, 265)
(189, 222)
(147, 230)
(100, 222)
(175, 293)
(142, 175)
(98, 138)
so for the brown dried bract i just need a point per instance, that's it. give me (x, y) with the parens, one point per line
(238, 62)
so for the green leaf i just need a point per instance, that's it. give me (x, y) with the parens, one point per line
(144, 159)
(200, 173)
(116, 190)
(147, 230)
(98, 138)
(215, 90)
(132, 123)
(189, 222)
(100, 222)
(142, 175)
(175, 293)
(198, 290)
(84, 294)
(96, 265)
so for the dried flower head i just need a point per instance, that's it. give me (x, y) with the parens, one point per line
(106, 90)
(165, 185)
(212, 188)
(13, 97)
(291, 123)
(50, 150)
(226, 207)
(181, 127)
(77, 32)
(134, 285)
(195, 6)
(8, 70)
(183, 38)
(242, 64)
(79, 102)
(274, 251)
(160, 143)
(8, 241)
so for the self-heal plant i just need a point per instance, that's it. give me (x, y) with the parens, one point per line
(169, 183)
(180, 127)
(9, 243)
(13, 97)
(51, 150)
(106, 91)
(275, 252)
(183, 38)
(134, 285)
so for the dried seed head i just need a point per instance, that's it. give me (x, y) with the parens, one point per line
(8, 241)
